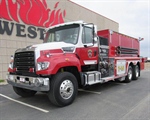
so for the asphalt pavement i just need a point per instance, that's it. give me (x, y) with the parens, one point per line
(109, 101)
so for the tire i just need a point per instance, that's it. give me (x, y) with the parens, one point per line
(136, 72)
(129, 76)
(64, 89)
(24, 92)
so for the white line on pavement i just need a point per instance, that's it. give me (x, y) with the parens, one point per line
(31, 106)
(89, 91)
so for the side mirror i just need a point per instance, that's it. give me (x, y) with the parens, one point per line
(95, 40)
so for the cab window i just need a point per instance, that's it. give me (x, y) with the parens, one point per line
(87, 35)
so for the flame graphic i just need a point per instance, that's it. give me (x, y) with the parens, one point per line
(31, 12)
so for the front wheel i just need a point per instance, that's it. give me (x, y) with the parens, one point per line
(129, 76)
(24, 92)
(64, 88)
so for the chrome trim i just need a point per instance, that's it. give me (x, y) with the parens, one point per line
(31, 83)
(92, 77)
(66, 89)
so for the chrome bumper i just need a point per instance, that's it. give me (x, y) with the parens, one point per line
(32, 83)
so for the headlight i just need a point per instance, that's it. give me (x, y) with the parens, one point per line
(42, 65)
(11, 65)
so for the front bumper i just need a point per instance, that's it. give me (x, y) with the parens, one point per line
(31, 83)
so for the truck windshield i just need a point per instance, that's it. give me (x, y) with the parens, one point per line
(67, 33)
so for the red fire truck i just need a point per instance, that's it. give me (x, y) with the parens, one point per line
(74, 55)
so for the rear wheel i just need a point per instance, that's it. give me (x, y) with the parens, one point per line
(64, 88)
(136, 72)
(129, 75)
(24, 92)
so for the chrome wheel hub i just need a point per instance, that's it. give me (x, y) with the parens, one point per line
(137, 72)
(66, 89)
(130, 74)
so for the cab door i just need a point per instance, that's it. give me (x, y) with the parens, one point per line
(89, 52)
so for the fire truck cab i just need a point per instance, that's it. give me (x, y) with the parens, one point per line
(72, 56)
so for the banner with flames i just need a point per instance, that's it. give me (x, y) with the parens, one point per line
(31, 12)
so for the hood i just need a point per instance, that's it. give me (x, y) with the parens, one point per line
(52, 45)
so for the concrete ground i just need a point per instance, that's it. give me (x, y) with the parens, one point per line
(109, 101)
